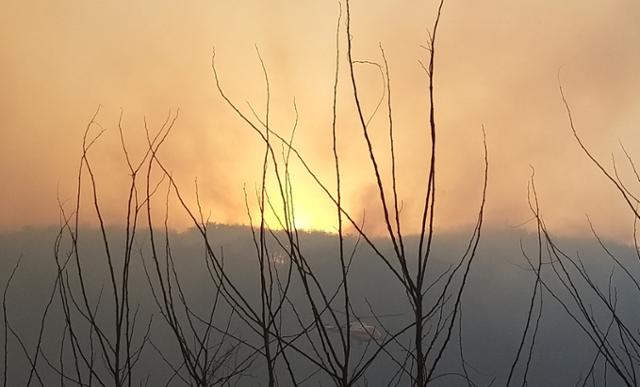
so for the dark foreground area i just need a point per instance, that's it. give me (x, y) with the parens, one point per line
(485, 338)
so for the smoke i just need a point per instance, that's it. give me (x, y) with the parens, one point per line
(497, 66)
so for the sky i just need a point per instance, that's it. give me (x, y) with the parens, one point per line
(497, 66)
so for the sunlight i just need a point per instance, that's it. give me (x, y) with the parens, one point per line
(307, 218)
(310, 209)
(314, 215)
(303, 222)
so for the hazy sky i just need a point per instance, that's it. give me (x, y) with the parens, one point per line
(497, 66)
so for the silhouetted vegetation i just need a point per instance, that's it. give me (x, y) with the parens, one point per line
(270, 304)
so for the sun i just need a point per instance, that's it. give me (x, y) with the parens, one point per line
(311, 214)
(303, 222)
(304, 219)
(307, 210)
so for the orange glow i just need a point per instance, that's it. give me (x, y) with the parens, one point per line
(496, 66)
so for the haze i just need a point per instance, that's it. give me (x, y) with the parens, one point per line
(497, 66)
